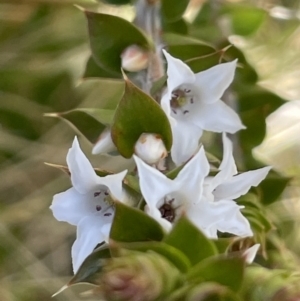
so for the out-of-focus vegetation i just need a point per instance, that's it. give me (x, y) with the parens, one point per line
(43, 50)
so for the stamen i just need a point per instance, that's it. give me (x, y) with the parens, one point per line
(98, 207)
(167, 212)
(174, 111)
(97, 194)
(171, 201)
(192, 100)
(187, 91)
(106, 193)
(185, 112)
(107, 214)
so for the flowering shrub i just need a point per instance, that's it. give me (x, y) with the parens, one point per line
(179, 225)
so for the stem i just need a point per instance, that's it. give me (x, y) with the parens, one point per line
(148, 18)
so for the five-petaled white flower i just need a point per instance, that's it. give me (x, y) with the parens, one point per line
(168, 199)
(192, 104)
(228, 185)
(85, 205)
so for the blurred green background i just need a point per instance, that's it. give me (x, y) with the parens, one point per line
(43, 51)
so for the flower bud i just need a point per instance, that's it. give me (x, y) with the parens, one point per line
(134, 58)
(150, 148)
(104, 143)
(138, 277)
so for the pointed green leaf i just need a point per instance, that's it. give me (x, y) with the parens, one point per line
(101, 93)
(272, 187)
(179, 26)
(91, 266)
(109, 36)
(173, 10)
(136, 114)
(132, 225)
(174, 255)
(187, 238)
(89, 122)
(228, 271)
(94, 70)
(245, 18)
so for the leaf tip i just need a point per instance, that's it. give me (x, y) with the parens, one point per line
(80, 7)
(60, 290)
(125, 77)
(55, 115)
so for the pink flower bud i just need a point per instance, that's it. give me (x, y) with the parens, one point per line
(134, 58)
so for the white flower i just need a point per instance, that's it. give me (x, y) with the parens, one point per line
(85, 205)
(104, 143)
(150, 148)
(168, 199)
(227, 185)
(192, 104)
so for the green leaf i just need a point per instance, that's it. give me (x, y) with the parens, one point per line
(88, 122)
(187, 238)
(245, 19)
(92, 69)
(118, 2)
(174, 255)
(132, 182)
(185, 48)
(109, 36)
(91, 266)
(228, 271)
(100, 93)
(132, 225)
(136, 114)
(179, 26)
(173, 10)
(201, 63)
(211, 291)
(272, 187)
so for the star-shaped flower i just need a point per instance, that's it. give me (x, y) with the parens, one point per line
(86, 205)
(192, 104)
(168, 199)
(228, 185)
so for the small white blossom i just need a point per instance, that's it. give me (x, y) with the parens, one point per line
(168, 199)
(86, 204)
(104, 143)
(150, 148)
(192, 104)
(228, 185)
(134, 58)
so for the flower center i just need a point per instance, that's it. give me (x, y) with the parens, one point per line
(101, 199)
(181, 100)
(167, 212)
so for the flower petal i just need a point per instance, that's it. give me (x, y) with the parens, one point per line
(224, 216)
(83, 176)
(154, 185)
(211, 84)
(250, 254)
(71, 206)
(216, 117)
(89, 234)
(240, 184)
(227, 167)
(178, 73)
(192, 175)
(114, 184)
(185, 141)
(104, 144)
